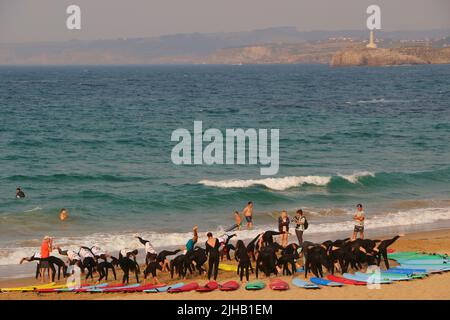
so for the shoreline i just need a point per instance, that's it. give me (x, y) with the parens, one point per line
(433, 287)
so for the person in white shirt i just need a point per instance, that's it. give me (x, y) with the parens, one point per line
(150, 252)
(74, 258)
(359, 218)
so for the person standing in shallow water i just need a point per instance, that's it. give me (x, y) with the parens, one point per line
(248, 214)
(63, 214)
(359, 218)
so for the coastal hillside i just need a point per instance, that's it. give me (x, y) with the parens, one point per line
(307, 53)
(283, 45)
(390, 56)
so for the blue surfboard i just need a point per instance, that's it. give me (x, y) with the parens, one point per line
(386, 276)
(105, 289)
(364, 279)
(325, 282)
(165, 289)
(304, 284)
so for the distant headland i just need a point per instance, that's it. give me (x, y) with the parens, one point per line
(283, 45)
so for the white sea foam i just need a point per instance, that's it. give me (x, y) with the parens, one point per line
(114, 242)
(278, 184)
(379, 101)
(355, 176)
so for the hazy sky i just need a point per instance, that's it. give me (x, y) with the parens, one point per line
(44, 20)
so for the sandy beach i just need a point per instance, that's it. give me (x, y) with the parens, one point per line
(434, 287)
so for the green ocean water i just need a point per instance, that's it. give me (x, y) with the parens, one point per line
(96, 140)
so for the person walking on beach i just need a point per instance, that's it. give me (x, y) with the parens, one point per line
(299, 221)
(359, 218)
(248, 214)
(19, 194)
(283, 226)
(212, 246)
(44, 265)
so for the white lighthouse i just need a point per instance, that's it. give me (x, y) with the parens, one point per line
(371, 44)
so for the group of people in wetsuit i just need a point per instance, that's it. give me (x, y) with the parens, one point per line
(268, 255)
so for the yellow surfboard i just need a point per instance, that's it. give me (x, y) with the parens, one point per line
(227, 267)
(30, 288)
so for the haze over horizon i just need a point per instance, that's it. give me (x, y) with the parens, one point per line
(23, 21)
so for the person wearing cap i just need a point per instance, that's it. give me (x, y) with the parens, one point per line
(359, 218)
(44, 265)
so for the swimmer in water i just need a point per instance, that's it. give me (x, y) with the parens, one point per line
(63, 214)
(19, 194)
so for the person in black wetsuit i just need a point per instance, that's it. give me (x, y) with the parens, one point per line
(150, 252)
(162, 258)
(19, 194)
(212, 250)
(226, 246)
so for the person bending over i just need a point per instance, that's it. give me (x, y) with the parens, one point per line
(150, 251)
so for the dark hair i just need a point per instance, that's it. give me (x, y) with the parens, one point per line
(249, 202)
(18, 189)
(209, 234)
(300, 211)
(236, 212)
(359, 205)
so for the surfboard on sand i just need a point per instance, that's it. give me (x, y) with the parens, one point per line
(367, 279)
(139, 288)
(210, 286)
(227, 267)
(278, 284)
(112, 287)
(255, 285)
(229, 286)
(28, 288)
(304, 284)
(325, 282)
(345, 281)
(186, 288)
(165, 288)
(83, 288)
(385, 276)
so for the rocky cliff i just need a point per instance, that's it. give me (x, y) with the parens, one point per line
(391, 56)
(283, 53)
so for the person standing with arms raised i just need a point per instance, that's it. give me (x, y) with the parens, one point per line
(248, 214)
